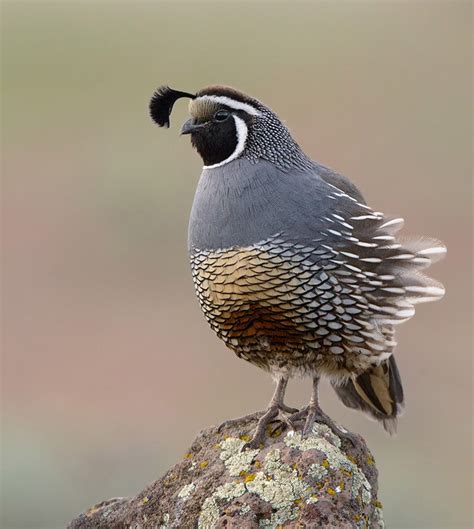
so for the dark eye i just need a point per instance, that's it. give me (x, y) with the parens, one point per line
(221, 115)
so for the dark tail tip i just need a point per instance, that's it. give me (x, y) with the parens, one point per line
(378, 392)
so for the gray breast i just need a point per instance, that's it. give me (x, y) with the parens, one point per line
(242, 203)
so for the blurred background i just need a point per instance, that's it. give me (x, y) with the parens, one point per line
(109, 369)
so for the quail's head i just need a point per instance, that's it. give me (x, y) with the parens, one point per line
(226, 124)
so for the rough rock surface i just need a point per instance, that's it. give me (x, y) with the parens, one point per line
(290, 482)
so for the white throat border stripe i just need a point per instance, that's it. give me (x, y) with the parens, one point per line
(242, 133)
(231, 103)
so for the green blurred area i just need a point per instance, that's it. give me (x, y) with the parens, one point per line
(109, 369)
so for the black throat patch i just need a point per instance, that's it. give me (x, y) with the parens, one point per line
(215, 142)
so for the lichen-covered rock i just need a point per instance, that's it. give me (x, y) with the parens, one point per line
(320, 481)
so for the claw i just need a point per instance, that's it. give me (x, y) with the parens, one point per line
(315, 414)
(299, 415)
(259, 434)
(274, 414)
(311, 415)
(282, 421)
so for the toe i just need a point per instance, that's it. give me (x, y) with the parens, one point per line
(253, 444)
(288, 409)
(309, 423)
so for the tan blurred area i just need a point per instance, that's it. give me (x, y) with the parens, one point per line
(109, 368)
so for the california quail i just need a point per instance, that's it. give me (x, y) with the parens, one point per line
(293, 271)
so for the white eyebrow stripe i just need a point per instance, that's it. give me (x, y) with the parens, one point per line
(242, 133)
(232, 103)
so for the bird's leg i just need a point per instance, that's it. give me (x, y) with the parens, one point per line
(312, 409)
(314, 414)
(275, 409)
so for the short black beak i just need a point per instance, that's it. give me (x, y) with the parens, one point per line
(190, 126)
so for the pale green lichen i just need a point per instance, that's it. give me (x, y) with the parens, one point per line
(317, 471)
(209, 515)
(235, 459)
(279, 518)
(186, 491)
(210, 509)
(284, 486)
(229, 491)
(278, 483)
(337, 460)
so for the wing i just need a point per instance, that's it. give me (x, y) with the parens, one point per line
(386, 272)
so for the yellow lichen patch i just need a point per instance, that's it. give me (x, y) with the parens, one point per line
(245, 438)
(370, 460)
(145, 500)
(258, 464)
(274, 432)
(342, 485)
(203, 464)
(169, 481)
(325, 463)
(297, 502)
(352, 459)
(188, 455)
(247, 476)
(357, 517)
(377, 503)
(331, 491)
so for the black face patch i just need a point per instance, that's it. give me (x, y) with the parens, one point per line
(217, 139)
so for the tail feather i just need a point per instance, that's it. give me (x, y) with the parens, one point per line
(378, 392)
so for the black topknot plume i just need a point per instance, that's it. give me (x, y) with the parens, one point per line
(162, 102)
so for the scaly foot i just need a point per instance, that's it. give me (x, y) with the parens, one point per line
(311, 415)
(276, 413)
(314, 414)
